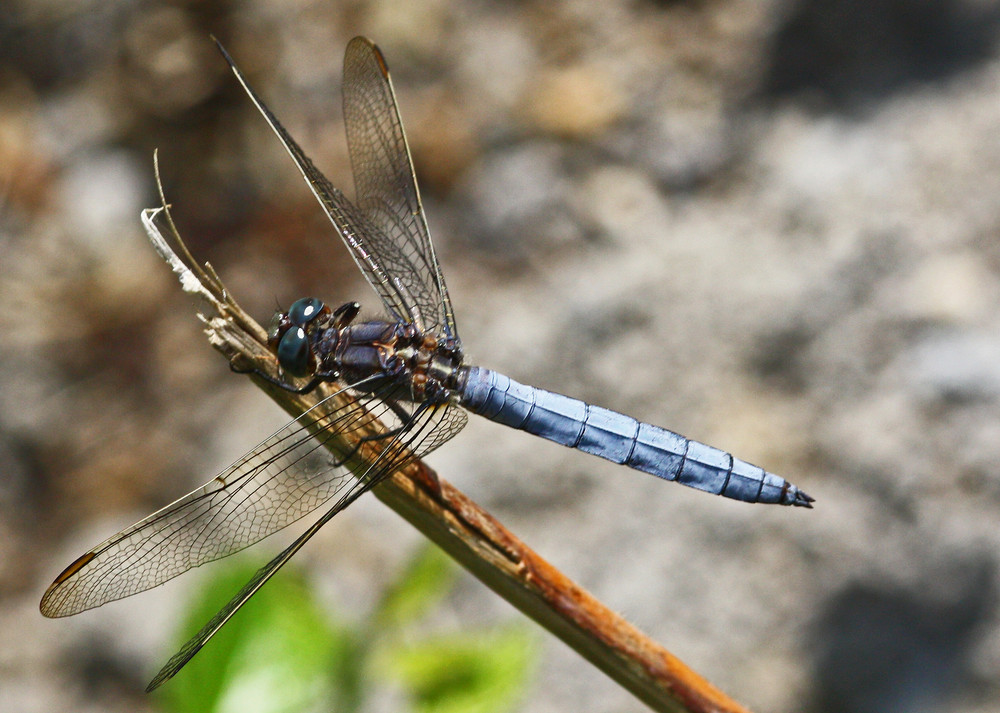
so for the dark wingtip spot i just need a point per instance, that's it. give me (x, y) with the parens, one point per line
(75, 567)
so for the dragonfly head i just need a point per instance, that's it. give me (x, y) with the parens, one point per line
(288, 334)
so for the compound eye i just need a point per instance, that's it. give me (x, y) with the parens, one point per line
(293, 352)
(304, 310)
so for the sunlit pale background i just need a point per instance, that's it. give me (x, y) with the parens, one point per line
(771, 226)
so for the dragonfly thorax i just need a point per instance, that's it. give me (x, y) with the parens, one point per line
(394, 358)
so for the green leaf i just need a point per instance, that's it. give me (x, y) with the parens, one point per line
(424, 582)
(278, 653)
(468, 672)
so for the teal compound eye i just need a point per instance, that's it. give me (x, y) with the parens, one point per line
(294, 352)
(305, 310)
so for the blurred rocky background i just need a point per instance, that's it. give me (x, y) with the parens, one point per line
(771, 225)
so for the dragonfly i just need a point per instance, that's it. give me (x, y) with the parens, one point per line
(408, 386)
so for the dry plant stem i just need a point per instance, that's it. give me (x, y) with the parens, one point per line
(463, 529)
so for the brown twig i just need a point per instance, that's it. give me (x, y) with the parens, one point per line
(463, 529)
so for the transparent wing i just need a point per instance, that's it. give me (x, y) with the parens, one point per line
(384, 263)
(386, 187)
(428, 427)
(288, 475)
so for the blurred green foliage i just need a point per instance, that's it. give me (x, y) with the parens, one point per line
(283, 653)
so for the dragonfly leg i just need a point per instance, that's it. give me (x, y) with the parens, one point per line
(317, 379)
(239, 370)
(390, 434)
(345, 314)
(401, 413)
